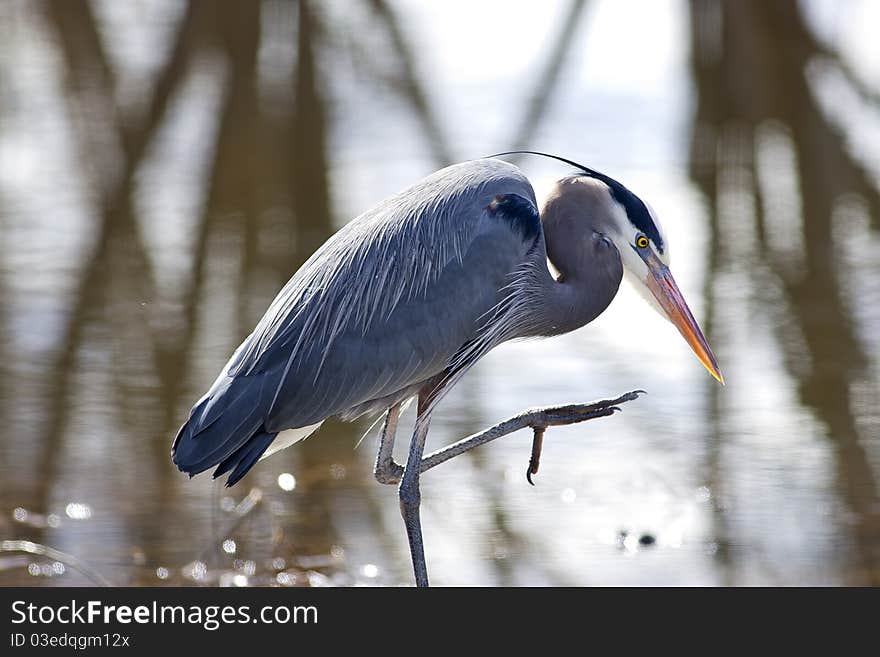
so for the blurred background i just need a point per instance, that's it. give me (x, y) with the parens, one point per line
(166, 166)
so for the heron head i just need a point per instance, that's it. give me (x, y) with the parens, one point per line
(621, 216)
(644, 250)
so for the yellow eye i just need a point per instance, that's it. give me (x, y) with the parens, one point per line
(642, 242)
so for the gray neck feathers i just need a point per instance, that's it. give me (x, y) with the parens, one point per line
(576, 216)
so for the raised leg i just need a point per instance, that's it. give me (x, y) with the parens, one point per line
(537, 419)
(411, 498)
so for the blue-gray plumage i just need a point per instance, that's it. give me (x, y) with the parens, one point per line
(404, 299)
(426, 281)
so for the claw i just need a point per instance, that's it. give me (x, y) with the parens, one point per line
(632, 395)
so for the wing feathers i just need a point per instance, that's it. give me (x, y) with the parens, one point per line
(384, 304)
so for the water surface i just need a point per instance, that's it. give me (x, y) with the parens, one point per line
(164, 168)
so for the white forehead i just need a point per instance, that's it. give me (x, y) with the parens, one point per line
(656, 219)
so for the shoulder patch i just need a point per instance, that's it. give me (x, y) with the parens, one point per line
(519, 212)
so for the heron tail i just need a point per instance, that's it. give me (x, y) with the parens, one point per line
(225, 429)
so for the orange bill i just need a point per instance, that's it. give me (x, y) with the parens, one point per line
(663, 287)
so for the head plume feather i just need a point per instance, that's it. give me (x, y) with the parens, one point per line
(636, 210)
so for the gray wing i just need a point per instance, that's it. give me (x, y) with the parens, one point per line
(385, 303)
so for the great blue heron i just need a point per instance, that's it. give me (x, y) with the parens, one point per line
(403, 300)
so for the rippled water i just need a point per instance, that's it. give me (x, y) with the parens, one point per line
(143, 234)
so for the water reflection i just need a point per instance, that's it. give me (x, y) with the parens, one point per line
(165, 167)
(764, 154)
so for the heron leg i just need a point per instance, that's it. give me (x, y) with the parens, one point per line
(411, 497)
(538, 419)
(386, 470)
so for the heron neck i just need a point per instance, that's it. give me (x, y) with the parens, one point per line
(590, 271)
(569, 302)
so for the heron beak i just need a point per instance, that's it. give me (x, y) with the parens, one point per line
(663, 287)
